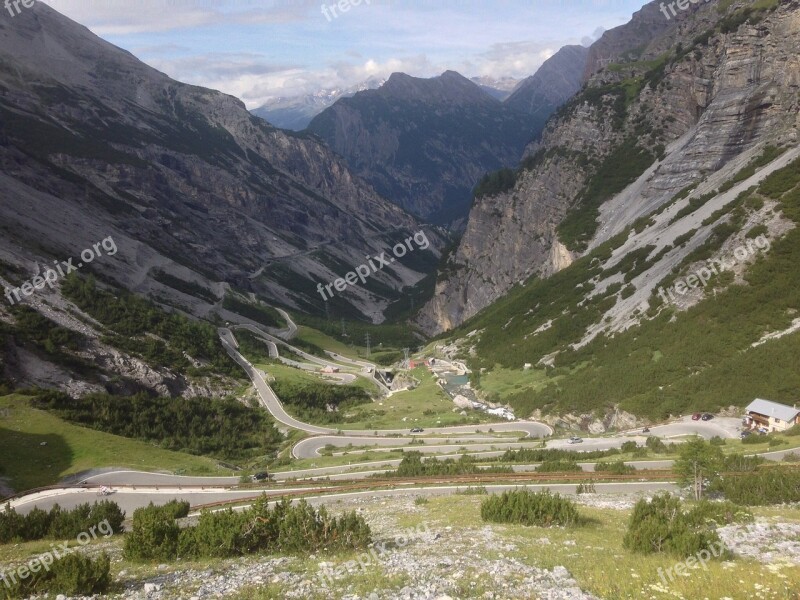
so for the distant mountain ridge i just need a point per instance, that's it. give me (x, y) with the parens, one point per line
(559, 78)
(296, 112)
(424, 143)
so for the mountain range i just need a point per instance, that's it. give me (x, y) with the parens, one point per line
(580, 202)
(187, 181)
(426, 143)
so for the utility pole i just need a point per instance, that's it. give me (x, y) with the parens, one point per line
(367, 345)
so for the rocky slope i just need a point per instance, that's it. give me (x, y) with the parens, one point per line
(558, 79)
(93, 143)
(425, 143)
(669, 104)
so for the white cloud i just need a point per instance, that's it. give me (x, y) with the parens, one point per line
(128, 17)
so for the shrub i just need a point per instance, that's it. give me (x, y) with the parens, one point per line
(615, 467)
(718, 514)
(154, 535)
(216, 535)
(586, 488)
(283, 528)
(656, 445)
(741, 463)
(413, 465)
(473, 491)
(661, 526)
(558, 466)
(629, 447)
(72, 575)
(523, 507)
(758, 488)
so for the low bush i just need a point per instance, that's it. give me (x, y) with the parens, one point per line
(285, 528)
(72, 575)
(662, 526)
(657, 445)
(614, 467)
(523, 507)
(558, 466)
(413, 465)
(718, 514)
(762, 487)
(154, 535)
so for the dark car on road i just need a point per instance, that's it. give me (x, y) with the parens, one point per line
(263, 476)
(707, 417)
(417, 430)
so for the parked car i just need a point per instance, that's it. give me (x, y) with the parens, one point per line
(575, 440)
(646, 430)
(696, 416)
(707, 417)
(417, 430)
(744, 434)
(262, 476)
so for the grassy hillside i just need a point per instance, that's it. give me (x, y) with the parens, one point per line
(675, 362)
(38, 448)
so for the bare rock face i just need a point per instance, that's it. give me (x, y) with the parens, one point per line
(716, 92)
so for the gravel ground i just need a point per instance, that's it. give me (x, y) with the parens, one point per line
(427, 563)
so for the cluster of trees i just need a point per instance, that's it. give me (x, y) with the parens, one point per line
(256, 312)
(38, 333)
(57, 523)
(524, 507)
(413, 465)
(132, 318)
(320, 402)
(222, 428)
(285, 528)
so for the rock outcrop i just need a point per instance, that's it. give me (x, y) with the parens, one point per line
(705, 89)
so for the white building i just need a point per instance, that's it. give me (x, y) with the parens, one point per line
(772, 416)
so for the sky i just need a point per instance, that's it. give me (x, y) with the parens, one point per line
(260, 50)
